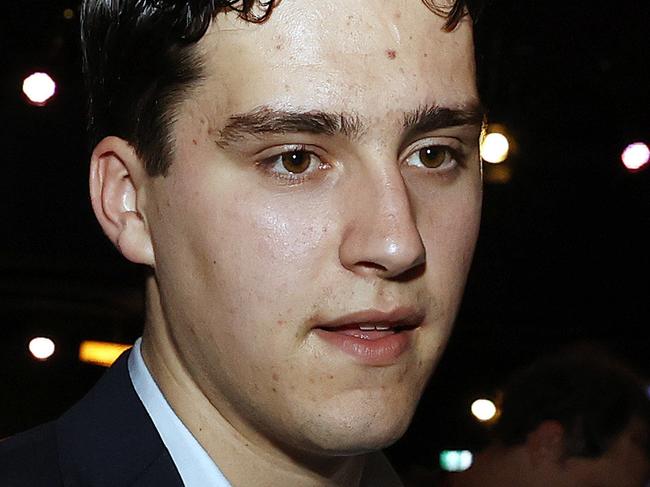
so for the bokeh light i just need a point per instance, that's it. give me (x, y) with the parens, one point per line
(456, 460)
(41, 348)
(39, 88)
(484, 409)
(635, 156)
(101, 353)
(495, 148)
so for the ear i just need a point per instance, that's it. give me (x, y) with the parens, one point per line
(546, 442)
(117, 192)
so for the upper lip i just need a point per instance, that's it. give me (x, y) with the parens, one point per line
(402, 317)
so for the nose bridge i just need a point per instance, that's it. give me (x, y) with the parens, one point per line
(382, 235)
(389, 196)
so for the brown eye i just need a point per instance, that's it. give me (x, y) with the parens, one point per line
(432, 156)
(296, 162)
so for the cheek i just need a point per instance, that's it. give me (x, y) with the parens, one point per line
(241, 243)
(290, 231)
(449, 218)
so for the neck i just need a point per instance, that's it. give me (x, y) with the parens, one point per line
(243, 454)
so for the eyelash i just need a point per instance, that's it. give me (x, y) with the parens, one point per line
(269, 165)
(455, 156)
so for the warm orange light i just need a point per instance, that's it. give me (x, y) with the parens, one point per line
(495, 148)
(484, 409)
(100, 353)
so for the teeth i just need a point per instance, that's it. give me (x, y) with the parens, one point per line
(374, 328)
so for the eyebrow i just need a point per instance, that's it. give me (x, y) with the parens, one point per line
(265, 120)
(428, 118)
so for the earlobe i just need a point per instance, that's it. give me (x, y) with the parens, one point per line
(117, 190)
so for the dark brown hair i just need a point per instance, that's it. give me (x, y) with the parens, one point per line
(138, 62)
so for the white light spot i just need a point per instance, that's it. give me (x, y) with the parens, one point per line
(495, 148)
(392, 248)
(484, 409)
(41, 348)
(39, 88)
(635, 156)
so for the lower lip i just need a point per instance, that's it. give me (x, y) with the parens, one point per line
(384, 350)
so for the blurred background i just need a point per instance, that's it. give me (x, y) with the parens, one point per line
(563, 255)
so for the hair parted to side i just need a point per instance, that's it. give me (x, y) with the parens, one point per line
(593, 396)
(138, 63)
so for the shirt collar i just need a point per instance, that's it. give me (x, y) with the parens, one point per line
(193, 463)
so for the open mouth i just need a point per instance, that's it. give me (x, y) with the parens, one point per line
(369, 331)
(372, 338)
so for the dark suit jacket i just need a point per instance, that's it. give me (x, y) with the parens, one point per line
(106, 439)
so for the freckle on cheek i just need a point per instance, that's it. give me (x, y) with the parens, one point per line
(276, 377)
(391, 54)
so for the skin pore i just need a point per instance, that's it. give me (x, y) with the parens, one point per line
(270, 223)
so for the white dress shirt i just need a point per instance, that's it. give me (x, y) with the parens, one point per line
(194, 465)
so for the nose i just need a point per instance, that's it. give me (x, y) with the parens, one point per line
(381, 237)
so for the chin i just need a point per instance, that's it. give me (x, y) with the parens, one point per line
(354, 434)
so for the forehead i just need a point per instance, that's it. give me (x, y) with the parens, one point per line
(367, 56)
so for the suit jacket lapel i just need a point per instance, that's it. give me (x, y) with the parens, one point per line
(108, 439)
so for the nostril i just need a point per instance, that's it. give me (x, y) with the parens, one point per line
(411, 273)
(371, 265)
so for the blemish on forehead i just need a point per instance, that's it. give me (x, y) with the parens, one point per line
(391, 53)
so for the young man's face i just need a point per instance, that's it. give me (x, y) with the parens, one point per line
(316, 190)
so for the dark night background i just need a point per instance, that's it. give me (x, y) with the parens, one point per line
(563, 256)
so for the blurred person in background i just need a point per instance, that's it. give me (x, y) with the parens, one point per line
(576, 419)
